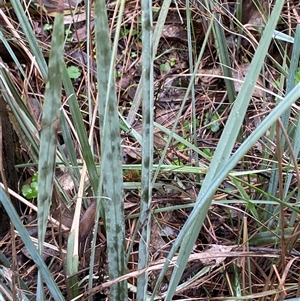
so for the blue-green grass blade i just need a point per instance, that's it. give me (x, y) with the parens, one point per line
(221, 45)
(110, 192)
(147, 147)
(156, 37)
(49, 125)
(80, 130)
(29, 32)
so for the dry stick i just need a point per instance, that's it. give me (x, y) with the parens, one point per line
(285, 273)
(245, 240)
(280, 183)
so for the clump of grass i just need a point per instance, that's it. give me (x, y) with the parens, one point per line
(196, 201)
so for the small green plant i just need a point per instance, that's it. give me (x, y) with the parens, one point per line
(74, 72)
(172, 61)
(245, 59)
(133, 54)
(47, 26)
(208, 152)
(212, 122)
(165, 67)
(69, 35)
(30, 191)
(297, 77)
(168, 65)
(187, 125)
(181, 146)
(125, 32)
(177, 162)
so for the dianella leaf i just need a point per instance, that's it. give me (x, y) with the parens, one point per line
(110, 192)
(50, 118)
(147, 146)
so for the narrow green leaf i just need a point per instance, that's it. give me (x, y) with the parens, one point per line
(156, 37)
(80, 129)
(147, 147)
(50, 117)
(110, 192)
(221, 45)
(29, 32)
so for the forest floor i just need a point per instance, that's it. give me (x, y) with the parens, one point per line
(232, 227)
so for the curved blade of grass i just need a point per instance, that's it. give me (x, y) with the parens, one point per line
(49, 125)
(220, 161)
(111, 177)
(36, 257)
(225, 146)
(147, 147)
(12, 54)
(29, 32)
(156, 37)
(221, 45)
(80, 129)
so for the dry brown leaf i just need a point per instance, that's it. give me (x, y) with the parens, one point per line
(215, 249)
(208, 75)
(174, 31)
